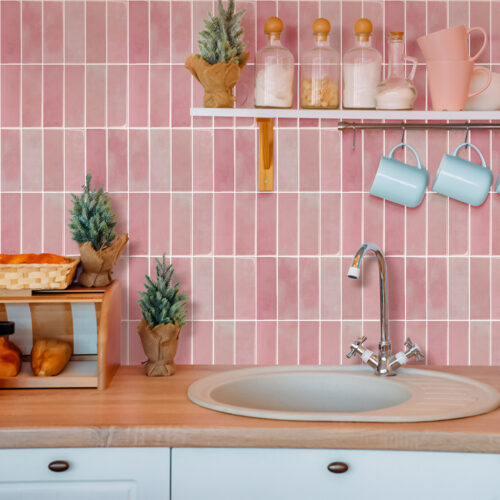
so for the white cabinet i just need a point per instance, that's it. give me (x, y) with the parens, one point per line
(292, 474)
(93, 474)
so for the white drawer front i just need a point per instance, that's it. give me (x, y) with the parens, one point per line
(93, 474)
(273, 474)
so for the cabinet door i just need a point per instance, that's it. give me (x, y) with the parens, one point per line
(93, 474)
(291, 474)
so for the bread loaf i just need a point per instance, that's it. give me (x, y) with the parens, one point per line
(33, 258)
(10, 358)
(49, 357)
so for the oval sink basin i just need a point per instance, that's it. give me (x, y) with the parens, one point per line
(349, 394)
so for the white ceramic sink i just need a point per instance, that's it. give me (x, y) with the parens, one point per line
(350, 394)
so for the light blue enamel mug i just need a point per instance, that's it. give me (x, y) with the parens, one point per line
(399, 182)
(463, 180)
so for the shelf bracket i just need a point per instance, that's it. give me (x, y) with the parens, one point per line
(266, 153)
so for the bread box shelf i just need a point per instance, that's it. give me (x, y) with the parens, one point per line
(90, 319)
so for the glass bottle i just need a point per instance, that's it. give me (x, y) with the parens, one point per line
(397, 91)
(361, 69)
(274, 70)
(319, 85)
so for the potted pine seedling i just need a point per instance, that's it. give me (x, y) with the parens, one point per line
(92, 226)
(163, 310)
(222, 56)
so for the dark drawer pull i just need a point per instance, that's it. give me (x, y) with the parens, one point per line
(59, 466)
(338, 467)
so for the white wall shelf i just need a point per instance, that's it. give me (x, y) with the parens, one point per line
(348, 114)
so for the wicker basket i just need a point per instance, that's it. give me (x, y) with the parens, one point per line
(37, 276)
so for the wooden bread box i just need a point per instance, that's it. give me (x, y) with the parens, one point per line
(88, 318)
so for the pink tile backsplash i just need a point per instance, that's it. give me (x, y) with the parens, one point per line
(94, 86)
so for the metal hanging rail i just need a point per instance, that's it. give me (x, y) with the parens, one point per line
(343, 125)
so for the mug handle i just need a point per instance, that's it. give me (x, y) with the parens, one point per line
(483, 163)
(404, 145)
(478, 28)
(414, 62)
(481, 69)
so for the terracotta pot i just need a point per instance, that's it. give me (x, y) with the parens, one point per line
(98, 265)
(160, 345)
(218, 80)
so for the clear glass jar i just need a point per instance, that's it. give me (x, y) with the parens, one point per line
(319, 83)
(361, 69)
(397, 91)
(274, 68)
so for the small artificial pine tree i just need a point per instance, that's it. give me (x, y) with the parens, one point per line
(162, 303)
(222, 37)
(92, 220)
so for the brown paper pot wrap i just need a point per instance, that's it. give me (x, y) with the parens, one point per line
(98, 265)
(218, 80)
(160, 345)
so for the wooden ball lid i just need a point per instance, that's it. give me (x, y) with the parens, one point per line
(273, 25)
(396, 35)
(363, 27)
(321, 26)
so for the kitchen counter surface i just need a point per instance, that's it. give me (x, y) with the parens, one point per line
(140, 411)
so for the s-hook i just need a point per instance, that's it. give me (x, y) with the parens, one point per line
(403, 134)
(466, 140)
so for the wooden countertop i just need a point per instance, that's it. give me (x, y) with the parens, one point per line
(140, 411)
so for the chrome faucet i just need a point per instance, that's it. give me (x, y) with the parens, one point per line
(385, 364)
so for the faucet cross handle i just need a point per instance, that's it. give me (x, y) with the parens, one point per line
(413, 350)
(355, 345)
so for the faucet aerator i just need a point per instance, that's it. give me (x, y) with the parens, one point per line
(353, 273)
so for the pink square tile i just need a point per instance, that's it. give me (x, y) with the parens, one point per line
(202, 223)
(117, 96)
(480, 334)
(138, 160)
(181, 43)
(160, 160)
(309, 224)
(437, 293)
(396, 280)
(495, 338)
(459, 343)
(202, 342)
(52, 96)
(288, 296)
(10, 149)
(96, 96)
(120, 207)
(160, 223)
(479, 275)
(96, 156)
(32, 96)
(10, 102)
(331, 286)
(438, 224)
(223, 160)
(181, 88)
(159, 35)
(287, 223)
(202, 303)
(223, 288)
(288, 342)
(32, 32)
(372, 146)
(330, 224)
(309, 338)
(266, 288)
(245, 278)
(32, 160)
(287, 164)
(480, 15)
(480, 228)
(309, 160)
(11, 223)
(245, 342)
(351, 293)
(415, 288)
(494, 35)
(224, 342)
(309, 288)
(288, 11)
(53, 160)
(138, 213)
(266, 223)
(416, 330)
(246, 170)
(373, 219)
(160, 96)
(10, 40)
(266, 342)
(203, 159)
(74, 15)
(53, 32)
(117, 31)
(74, 96)
(138, 96)
(416, 229)
(395, 219)
(71, 247)
(437, 353)
(330, 159)
(181, 223)
(351, 222)
(138, 32)
(350, 331)
(458, 227)
(245, 223)
(138, 267)
(183, 356)
(495, 289)
(223, 223)
(181, 160)
(96, 32)
(330, 343)
(74, 161)
(459, 288)
(53, 223)
(31, 223)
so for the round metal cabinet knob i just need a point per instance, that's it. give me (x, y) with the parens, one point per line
(338, 467)
(59, 466)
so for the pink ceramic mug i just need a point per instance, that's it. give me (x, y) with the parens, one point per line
(450, 44)
(449, 83)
